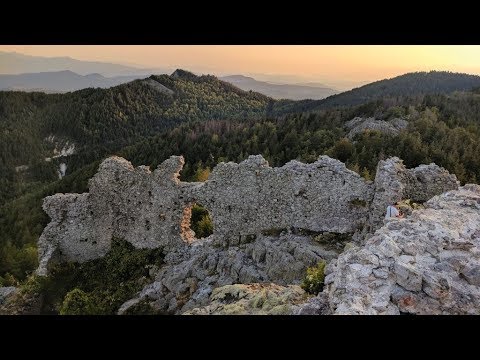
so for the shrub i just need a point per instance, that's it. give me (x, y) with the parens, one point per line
(77, 302)
(313, 281)
(104, 283)
(201, 222)
(9, 280)
(34, 285)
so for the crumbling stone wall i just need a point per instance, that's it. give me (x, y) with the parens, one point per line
(428, 263)
(249, 197)
(394, 182)
(135, 204)
(150, 209)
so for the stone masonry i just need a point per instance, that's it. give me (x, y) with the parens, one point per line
(394, 182)
(427, 263)
(151, 209)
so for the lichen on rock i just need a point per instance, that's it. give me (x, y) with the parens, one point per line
(265, 223)
(428, 263)
(252, 299)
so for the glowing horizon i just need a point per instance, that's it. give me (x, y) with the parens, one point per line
(321, 63)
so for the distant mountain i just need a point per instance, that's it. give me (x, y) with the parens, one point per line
(66, 80)
(411, 84)
(314, 84)
(15, 63)
(280, 91)
(60, 81)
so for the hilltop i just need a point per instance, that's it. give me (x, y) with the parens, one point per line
(408, 85)
(98, 121)
(207, 121)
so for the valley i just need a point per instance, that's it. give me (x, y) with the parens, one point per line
(55, 143)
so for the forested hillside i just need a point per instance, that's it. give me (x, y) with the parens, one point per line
(444, 129)
(411, 84)
(98, 121)
(209, 121)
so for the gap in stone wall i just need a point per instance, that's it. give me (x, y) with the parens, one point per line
(196, 223)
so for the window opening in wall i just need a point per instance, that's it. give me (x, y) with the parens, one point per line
(197, 223)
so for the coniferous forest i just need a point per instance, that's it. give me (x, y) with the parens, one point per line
(209, 121)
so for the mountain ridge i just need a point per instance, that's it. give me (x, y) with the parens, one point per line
(13, 63)
(409, 84)
(279, 91)
(61, 81)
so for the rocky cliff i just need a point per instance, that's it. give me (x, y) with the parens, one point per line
(428, 263)
(358, 125)
(266, 220)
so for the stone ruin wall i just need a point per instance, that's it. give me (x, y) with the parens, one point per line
(394, 182)
(151, 209)
(428, 263)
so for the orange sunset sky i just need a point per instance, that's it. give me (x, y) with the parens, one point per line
(356, 63)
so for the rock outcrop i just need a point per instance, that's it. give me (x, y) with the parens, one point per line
(142, 207)
(317, 305)
(252, 299)
(250, 197)
(428, 263)
(6, 292)
(191, 273)
(358, 125)
(151, 209)
(394, 182)
(247, 202)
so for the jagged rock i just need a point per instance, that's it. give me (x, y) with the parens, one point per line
(427, 263)
(189, 276)
(157, 86)
(317, 305)
(358, 125)
(123, 202)
(426, 181)
(6, 292)
(151, 209)
(390, 183)
(252, 299)
(394, 182)
(246, 201)
(250, 197)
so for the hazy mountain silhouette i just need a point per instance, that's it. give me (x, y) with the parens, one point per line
(60, 81)
(15, 63)
(280, 91)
